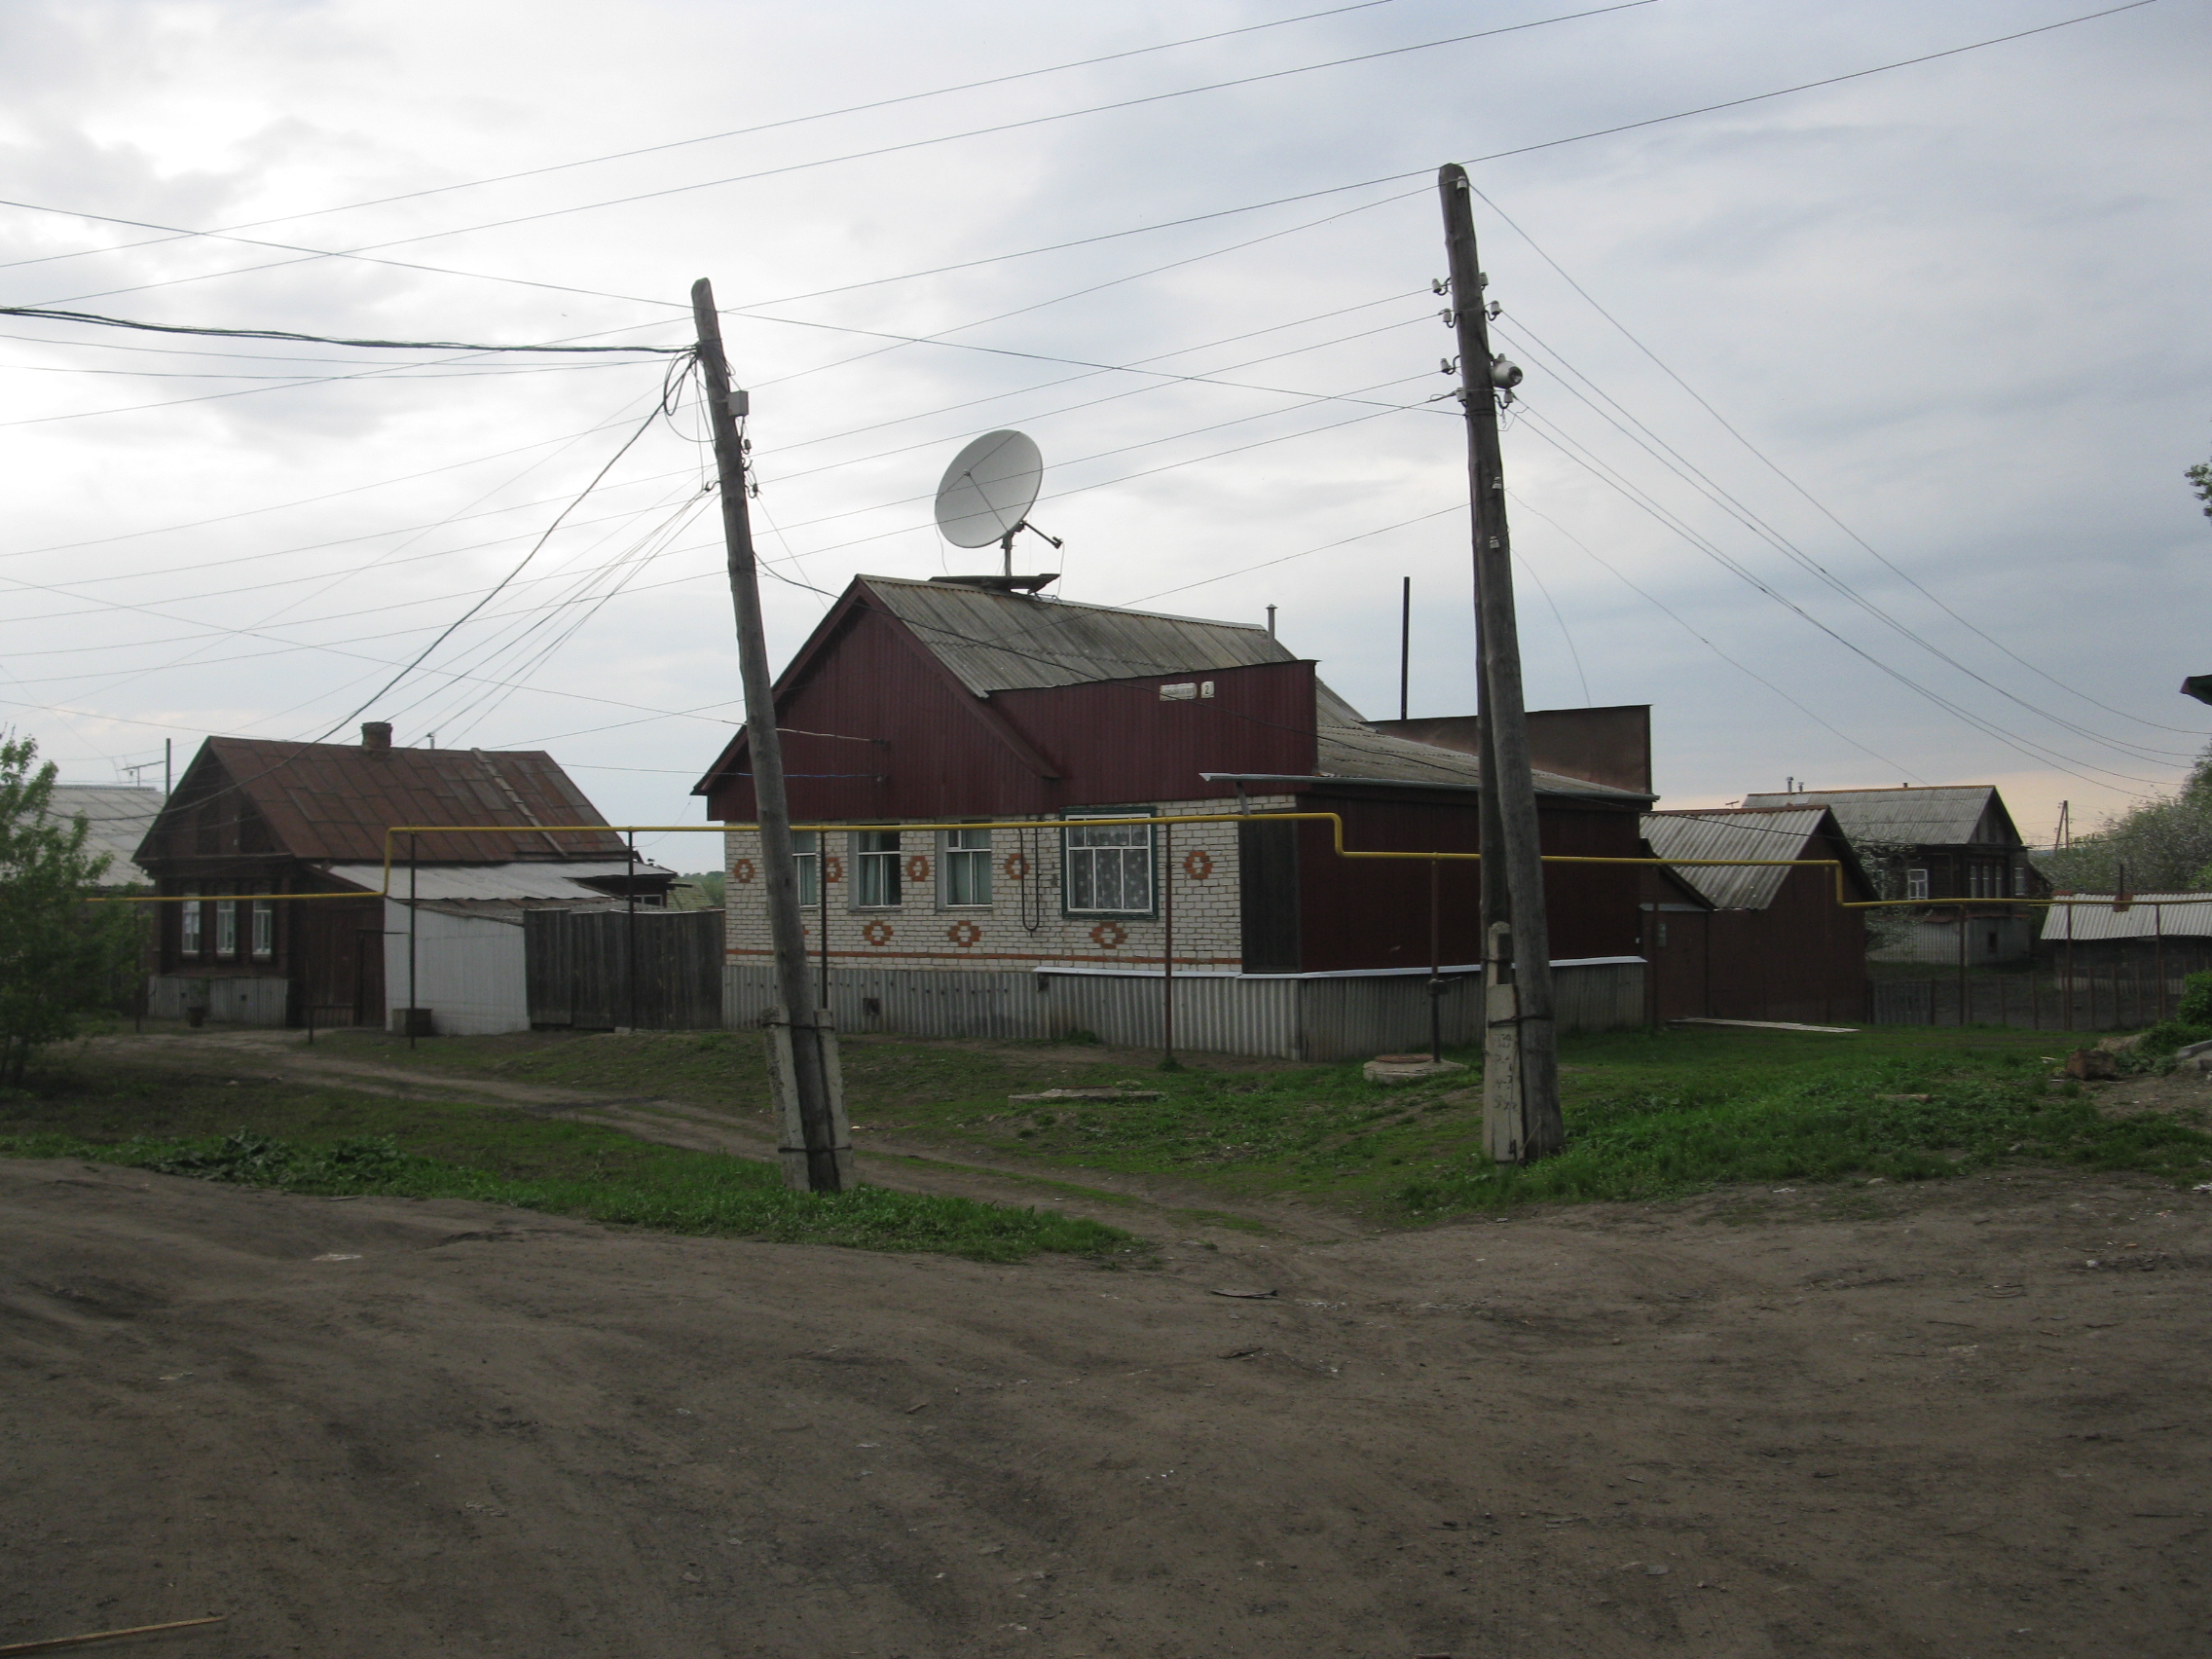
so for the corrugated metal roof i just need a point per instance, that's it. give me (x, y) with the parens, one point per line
(1344, 751)
(537, 879)
(2186, 915)
(1005, 641)
(116, 817)
(1948, 814)
(1735, 832)
(999, 642)
(334, 800)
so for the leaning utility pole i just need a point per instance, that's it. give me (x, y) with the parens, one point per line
(817, 1142)
(1521, 1116)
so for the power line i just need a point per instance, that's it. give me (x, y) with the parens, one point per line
(1255, 207)
(518, 569)
(873, 152)
(715, 137)
(1606, 475)
(1676, 616)
(1690, 473)
(48, 313)
(201, 564)
(1817, 505)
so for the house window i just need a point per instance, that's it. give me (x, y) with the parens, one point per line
(967, 865)
(806, 853)
(264, 928)
(1109, 867)
(190, 914)
(1916, 884)
(226, 927)
(2019, 882)
(876, 856)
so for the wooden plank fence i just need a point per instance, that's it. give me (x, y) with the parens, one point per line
(652, 970)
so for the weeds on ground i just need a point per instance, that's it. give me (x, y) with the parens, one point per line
(1902, 1121)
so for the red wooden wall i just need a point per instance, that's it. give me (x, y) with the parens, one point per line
(1362, 913)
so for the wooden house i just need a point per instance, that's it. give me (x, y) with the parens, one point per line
(252, 822)
(1950, 842)
(927, 703)
(1752, 940)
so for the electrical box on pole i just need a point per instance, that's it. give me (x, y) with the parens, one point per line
(817, 1141)
(1521, 1113)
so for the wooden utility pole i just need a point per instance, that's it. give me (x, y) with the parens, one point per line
(817, 1143)
(1520, 1115)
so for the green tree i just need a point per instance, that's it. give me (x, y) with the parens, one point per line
(2200, 479)
(60, 956)
(2164, 844)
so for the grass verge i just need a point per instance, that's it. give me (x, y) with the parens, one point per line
(1650, 1113)
(267, 1133)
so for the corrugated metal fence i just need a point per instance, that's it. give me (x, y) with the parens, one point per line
(595, 969)
(1284, 1018)
(2123, 999)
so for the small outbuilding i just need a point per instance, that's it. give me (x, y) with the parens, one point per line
(1754, 941)
(2151, 932)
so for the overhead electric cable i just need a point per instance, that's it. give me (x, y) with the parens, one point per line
(518, 569)
(1551, 434)
(1817, 505)
(1660, 604)
(49, 313)
(1422, 173)
(713, 137)
(1674, 460)
(874, 153)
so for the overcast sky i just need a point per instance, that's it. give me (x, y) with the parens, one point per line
(1856, 455)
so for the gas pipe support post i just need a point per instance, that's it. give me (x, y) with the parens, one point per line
(1524, 1123)
(818, 1157)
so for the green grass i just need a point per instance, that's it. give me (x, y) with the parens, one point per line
(337, 1141)
(1650, 1113)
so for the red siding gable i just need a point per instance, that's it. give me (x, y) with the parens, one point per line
(874, 726)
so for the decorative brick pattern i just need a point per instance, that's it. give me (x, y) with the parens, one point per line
(1022, 928)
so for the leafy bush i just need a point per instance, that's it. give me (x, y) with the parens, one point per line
(2196, 1005)
(59, 957)
(2168, 1035)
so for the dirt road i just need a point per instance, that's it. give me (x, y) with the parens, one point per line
(1882, 1422)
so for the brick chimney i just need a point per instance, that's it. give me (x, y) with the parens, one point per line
(376, 734)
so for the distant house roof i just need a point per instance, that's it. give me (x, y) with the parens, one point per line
(1747, 833)
(1947, 815)
(2183, 915)
(116, 817)
(334, 800)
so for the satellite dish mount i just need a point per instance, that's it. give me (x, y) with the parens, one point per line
(1005, 541)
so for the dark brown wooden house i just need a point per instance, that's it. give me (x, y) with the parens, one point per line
(1752, 942)
(252, 822)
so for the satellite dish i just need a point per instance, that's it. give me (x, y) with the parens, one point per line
(989, 489)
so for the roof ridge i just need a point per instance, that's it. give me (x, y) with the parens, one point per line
(1069, 603)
